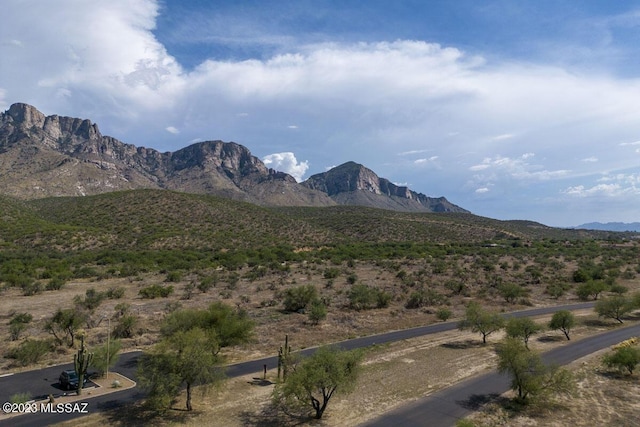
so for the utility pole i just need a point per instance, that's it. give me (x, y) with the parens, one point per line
(108, 343)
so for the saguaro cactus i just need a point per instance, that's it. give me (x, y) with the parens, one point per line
(81, 362)
(284, 358)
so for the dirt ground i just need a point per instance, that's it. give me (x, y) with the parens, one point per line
(399, 373)
(393, 374)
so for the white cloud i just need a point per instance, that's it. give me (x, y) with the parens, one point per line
(292, 127)
(503, 137)
(482, 190)
(287, 162)
(366, 102)
(172, 129)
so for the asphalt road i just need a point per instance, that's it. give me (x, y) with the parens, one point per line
(445, 407)
(41, 383)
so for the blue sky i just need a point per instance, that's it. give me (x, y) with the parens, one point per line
(511, 109)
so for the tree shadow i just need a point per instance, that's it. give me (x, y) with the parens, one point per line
(142, 415)
(476, 401)
(260, 382)
(598, 323)
(272, 416)
(551, 338)
(462, 344)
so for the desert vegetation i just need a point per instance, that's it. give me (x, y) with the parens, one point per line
(128, 265)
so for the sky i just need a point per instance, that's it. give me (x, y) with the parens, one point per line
(512, 109)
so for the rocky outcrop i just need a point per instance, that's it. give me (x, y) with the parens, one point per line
(354, 184)
(43, 156)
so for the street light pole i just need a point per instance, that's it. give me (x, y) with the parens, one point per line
(108, 343)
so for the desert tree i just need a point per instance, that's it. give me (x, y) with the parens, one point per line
(187, 359)
(188, 352)
(522, 328)
(106, 355)
(531, 379)
(478, 319)
(614, 307)
(511, 292)
(64, 325)
(316, 379)
(563, 320)
(623, 358)
(591, 289)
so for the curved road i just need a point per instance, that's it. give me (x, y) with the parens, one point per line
(41, 383)
(444, 408)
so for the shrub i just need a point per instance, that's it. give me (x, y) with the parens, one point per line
(30, 351)
(155, 291)
(363, 297)
(298, 298)
(125, 326)
(20, 397)
(55, 284)
(115, 293)
(18, 323)
(317, 311)
(623, 358)
(174, 276)
(444, 314)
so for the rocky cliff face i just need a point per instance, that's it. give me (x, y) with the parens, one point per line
(354, 184)
(44, 156)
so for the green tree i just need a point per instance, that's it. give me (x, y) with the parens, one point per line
(228, 326)
(623, 358)
(105, 357)
(530, 377)
(614, 307)
(316, 379)
(477, 319)
(591, 289)
(563, 320)
(188, 353)
(64, 324)
(522, 328)
(511, 292)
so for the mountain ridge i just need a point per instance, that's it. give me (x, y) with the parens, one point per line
(611, 226)
(45, 156)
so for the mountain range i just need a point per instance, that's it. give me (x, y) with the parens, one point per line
(611, 226)
(47, 156)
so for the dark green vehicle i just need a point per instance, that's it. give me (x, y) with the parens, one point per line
(69, 380)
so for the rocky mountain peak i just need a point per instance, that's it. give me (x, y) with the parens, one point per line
(352, 183)
(26, 115)
(42, 156)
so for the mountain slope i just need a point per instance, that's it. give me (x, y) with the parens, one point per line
(42, 156)
(354, 184)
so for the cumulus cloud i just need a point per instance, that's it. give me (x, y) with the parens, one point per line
(366, 102)
(172, 130)
(287, 162)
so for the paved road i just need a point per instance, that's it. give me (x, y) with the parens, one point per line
(445, 407)
(41, 383)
